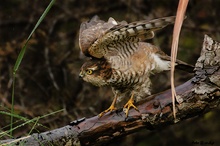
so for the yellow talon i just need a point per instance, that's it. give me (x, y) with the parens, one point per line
(111, 108)
(130, 104)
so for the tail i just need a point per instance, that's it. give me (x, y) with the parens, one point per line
(184, 66)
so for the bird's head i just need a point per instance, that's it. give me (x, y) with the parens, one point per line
(96, 71)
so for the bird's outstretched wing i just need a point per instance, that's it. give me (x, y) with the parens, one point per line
(100, 39)
(92, 31)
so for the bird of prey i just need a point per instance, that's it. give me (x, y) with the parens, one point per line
(121, 58)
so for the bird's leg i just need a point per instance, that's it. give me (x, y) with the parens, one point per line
(130, 104)
(111, 108)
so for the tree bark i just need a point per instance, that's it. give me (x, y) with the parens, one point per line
(195, 97)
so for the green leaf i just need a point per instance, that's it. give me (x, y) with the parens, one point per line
(21, 55)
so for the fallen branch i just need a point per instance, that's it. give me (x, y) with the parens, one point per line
(195, 97)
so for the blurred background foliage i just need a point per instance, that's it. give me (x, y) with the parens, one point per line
(47, 79)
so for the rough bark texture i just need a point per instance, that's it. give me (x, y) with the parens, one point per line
(195, 97)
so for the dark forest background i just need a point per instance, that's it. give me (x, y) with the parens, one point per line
(47, 79)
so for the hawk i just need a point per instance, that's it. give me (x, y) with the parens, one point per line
(120, 57)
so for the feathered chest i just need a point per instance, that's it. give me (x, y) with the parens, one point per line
(130, 70)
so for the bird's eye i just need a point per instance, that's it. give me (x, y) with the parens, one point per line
(89, 72)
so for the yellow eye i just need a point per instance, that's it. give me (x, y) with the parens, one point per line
(89, 72)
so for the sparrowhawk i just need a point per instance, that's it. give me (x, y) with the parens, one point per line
(121, 57)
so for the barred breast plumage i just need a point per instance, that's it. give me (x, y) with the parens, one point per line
(120, 58)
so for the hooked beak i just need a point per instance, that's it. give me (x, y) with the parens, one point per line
(81, 75)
